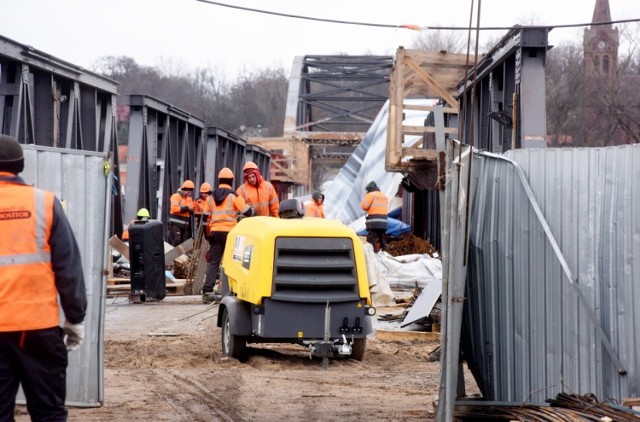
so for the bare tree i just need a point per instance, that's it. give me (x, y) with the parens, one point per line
(441, 40)
(564, 93)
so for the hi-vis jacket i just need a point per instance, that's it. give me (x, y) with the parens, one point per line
(224, 207)
(199, 207)
(376, 205)
(179, 213)
(262, 198)
(313, 209)
(39, 260)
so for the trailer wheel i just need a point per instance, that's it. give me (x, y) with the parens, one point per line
(358, 348)
(232, 345)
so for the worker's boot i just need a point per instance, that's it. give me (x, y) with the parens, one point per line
(207, 295)
(217, 292)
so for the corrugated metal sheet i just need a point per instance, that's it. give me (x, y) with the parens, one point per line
(78, 178)
(553, 282)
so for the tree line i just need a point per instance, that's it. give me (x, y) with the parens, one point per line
(257, 97)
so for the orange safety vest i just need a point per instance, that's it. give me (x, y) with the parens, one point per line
(314, 209)
(177, 201)
(28, 294)
(375, 203)
(225, 216)
(125, 233)
(199, 207)
(262, 198)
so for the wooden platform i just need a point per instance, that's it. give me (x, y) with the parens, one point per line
(121, 286)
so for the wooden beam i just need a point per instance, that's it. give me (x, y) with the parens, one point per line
(420, 130)
(430, 154)
(433, 84)
(395, 335)
(449, 110)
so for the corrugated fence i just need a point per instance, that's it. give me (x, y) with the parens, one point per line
(552, 301)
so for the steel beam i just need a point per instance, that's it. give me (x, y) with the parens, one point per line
(505, 94)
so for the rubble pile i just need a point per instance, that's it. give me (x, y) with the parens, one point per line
(409, 244)
(181, 267)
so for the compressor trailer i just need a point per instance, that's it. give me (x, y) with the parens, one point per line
(299, 281)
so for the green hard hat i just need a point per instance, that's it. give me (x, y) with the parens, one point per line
(143, 213)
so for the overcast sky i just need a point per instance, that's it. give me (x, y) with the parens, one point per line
(195, 34)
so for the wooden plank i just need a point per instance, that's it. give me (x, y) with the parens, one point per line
(449, 110)
(113, 281)
(457, 60)
(430, 154)
(420, 130)
(119, 246)
(175, 288)
(429, 80)
(177, 251)
(200, 271)
(396, 335)
(632, 401)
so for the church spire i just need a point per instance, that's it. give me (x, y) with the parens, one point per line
(601, 13)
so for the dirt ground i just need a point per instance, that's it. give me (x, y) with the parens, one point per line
(163, 362)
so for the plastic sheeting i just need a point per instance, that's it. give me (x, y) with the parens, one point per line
(344, 194)
(409, 271)
(381, 294)
(394, 228)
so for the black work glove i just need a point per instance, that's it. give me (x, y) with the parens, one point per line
(184, 208)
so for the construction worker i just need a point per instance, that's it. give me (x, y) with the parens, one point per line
(199, 207)
(141, 215)
(180, 212)
(40, 270)
(291, 208)
(257, 192)
(315, 207)
(376, 206)
(224, 207)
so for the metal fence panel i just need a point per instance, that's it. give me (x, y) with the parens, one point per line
(78, 178)
(553, 277)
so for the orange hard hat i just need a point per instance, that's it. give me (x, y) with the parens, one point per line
(205, 187)
(250, 166)
(225, 173)
(187, 184)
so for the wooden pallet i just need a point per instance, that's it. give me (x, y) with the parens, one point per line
(174, 288)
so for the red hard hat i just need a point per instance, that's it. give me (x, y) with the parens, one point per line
(187, 184)
(205, 187)
(225, 173)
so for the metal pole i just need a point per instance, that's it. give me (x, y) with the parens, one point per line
(327, 334)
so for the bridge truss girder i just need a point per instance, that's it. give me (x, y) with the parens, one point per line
(49, 102)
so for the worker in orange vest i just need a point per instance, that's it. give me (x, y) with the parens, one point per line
(40, 270)
(180, 211)
(224, 208)
(199, 208)
(142, 214)
(257, 192)
(315, 207)
(376, 206)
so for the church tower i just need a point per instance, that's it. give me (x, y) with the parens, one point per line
(600, 44)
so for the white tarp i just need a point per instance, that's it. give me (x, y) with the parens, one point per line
(381, 294)
(409, 271)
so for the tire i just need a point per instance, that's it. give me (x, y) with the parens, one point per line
(232, 345)
(358, 348)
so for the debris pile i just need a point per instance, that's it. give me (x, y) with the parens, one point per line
(409, 244)
(565, 407)
(181, 266)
